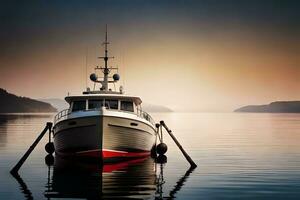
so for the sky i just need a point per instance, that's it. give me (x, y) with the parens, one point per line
(204, 55)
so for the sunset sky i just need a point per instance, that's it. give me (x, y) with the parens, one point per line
(187, 55)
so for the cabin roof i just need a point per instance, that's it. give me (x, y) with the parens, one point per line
(135, 99)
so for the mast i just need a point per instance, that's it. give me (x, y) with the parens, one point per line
(105, 69)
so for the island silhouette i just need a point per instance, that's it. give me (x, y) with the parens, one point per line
(274, 107)
(11, 103)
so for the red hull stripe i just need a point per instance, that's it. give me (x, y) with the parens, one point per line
(106, 153)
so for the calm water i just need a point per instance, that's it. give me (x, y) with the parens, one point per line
(239, 156)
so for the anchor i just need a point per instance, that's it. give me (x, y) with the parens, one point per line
(162, 148)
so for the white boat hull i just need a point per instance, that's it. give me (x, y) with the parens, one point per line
(102, 135)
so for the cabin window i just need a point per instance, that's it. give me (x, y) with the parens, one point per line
(95, 104)
(111, 104)
(79, 105)
(127, 106)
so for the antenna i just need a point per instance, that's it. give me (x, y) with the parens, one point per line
(105, 43)
(123, 67)
(86, 63)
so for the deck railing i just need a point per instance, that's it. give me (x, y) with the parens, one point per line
(64, 113)
(61, 115)
(146, 116)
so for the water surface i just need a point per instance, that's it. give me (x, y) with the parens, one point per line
(239, 156)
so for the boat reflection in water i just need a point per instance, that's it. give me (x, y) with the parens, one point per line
(133, 179)
(82, 179)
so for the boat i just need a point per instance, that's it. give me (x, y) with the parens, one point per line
(104, 123)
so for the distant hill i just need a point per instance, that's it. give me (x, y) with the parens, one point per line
(274, 107)
(10, 103)
(60, 104)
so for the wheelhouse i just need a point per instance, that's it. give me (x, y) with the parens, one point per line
(117, 103)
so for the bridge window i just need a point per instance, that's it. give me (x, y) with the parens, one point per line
(95, 104)
(111, 104)
(127, 106)
(79, 105)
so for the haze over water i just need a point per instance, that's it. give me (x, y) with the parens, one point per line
(239, 156)
(220, 55)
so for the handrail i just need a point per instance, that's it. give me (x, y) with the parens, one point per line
(64, 113)
(61, 114)
(146, 116)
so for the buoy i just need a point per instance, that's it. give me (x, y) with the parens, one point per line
(49, 147)
(162, 159)
(153, 152)
(49, 159)
(161, 149)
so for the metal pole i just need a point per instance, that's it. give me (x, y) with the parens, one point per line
(161, 135)
(188, 158)
(16, 168)
(49, 139)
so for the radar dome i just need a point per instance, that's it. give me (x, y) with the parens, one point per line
(116, 77)
(93, 77)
